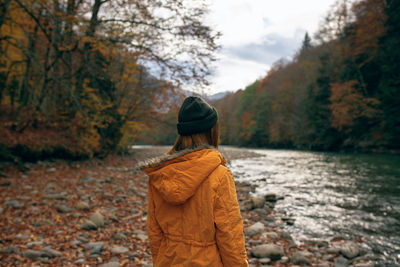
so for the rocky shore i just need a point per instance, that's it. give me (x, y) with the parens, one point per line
(268, 243)
(93, 213)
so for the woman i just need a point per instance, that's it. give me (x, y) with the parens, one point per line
(193, 214)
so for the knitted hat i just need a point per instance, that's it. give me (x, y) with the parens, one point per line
(196, 116)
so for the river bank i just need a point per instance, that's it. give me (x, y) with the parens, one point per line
(94, 213)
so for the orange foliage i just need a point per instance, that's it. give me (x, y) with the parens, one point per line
(348, 105)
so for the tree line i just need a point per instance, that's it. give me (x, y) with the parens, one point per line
(341, 91)
(80, 78)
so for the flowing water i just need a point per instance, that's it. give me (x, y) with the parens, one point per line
(353, 195)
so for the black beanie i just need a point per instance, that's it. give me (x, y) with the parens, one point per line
(196, 116)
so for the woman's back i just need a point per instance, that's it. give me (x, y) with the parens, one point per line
(193, 216)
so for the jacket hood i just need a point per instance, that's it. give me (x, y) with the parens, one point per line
(177, 177)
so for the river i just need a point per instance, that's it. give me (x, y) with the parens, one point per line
(356, 196)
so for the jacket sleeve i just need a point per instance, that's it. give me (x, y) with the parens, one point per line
(229, 224)
(153, 228)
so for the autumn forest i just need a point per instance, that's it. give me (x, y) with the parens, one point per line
(83, 78)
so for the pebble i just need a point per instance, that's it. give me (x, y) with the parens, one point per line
(274, 252)
(119, 250)
(97, 218)
(255, 229)
(88, 225)
(14, 204)
(299, 257)
(1, 210)
(257, 202)
(140, 235)
(349, 250)
(111, 264)
(50, 253)
(31, 254)
(95, 248)
(264, 261)
(9, 250)
(82, 205)
(63, 209)
(341, 262)
(120, 236)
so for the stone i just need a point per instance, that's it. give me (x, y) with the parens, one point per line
(97, 218)
(299, 257)
(34, 243)
(362, 264)
(284, 260)
(257, 202)
(14, 204)
(111, 264)
(119, 250)
(95, 248)
(56, 196)
(340, 262)
(274, 252)
(1, 210)
(32, 254)
(285, 235)
(80, 261)
(255, 229)
(349, 250)
(88, 225)
(140, 235)
(120, 236)
(288, 220)
(264, 261)
(270, 197)
(9, 250)
(273, 235)
(50, 170)
(82, 205)
(333, 250)
(22, 237)
(50, 253)
(323, 264)
(63, 209)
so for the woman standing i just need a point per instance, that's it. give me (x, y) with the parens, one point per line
(193, 214)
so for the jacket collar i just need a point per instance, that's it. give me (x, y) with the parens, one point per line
(153, 162)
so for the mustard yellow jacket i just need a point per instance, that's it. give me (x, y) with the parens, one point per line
(193, 213)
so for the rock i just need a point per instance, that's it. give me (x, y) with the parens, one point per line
(333, 250)
(274, 252)
(63, 209)
(50, 253)
(299, 257)
(140, 235)
(31, 254)
(88, 225)
(288, 220)
(323, 264)
(49, 170)
(257, 202)
(22, 237)
(284, 260)
(341, 262)
(119, 250)
(270, 197)
(9, 250)
(1, 210)
(264, 261)
(120, 236)
(82, 205)
(56, 196)
(255, 229)
(369, 264)
(111, 264)
(285, 235)
(97, 219)
(80, 261)
(14, 204)
(95, 248)
(349, 250)
(273, 235)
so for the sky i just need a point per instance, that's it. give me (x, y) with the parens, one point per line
(257, 33)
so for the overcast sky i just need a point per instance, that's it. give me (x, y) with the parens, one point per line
(256, 33)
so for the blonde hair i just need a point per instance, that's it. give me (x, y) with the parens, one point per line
(210, 138)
